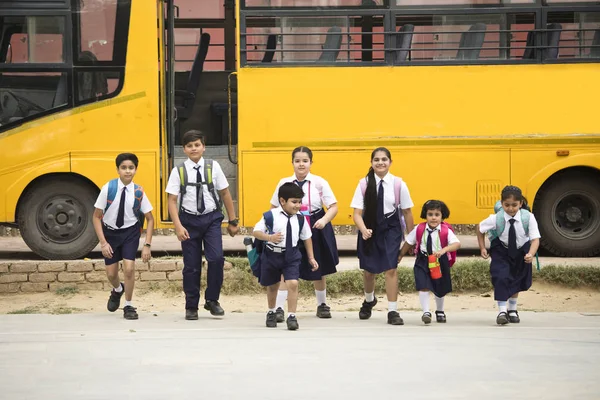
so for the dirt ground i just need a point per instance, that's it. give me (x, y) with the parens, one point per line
(539, 298)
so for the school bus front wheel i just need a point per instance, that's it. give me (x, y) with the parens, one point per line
(55, 217)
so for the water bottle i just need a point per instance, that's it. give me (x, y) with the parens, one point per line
(434, 267)
(248, 243)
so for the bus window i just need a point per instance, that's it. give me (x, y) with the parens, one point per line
(311, 3)
(464, 3)
(97, 29)
(32, 39)
(577, 34)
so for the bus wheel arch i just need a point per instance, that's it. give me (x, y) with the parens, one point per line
(57, 223)
(567, 207)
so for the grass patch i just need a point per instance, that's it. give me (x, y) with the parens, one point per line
(67, 291)
(66, 310)
(169, 289)
(571, 277)
(26, 310)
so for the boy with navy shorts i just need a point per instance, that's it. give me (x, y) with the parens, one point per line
(196, 189)
(281, 255)
(121, 208)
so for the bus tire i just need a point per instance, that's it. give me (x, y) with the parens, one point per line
(567, 208)
(55, 218)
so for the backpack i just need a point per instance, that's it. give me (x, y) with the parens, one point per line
(397, 188)
(259, 245)
(208, 181)
(501, 222)
(138, 194)
(444, 228)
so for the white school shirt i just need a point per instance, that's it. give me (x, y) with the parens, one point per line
(534, 233)
(436, 243)
(280, 220)
(389, 199)
(189, 200)
(110, 217)
(320, 192)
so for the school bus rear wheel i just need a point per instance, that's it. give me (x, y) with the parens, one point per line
(55, 218)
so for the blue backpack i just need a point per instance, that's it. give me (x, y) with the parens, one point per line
(501, 222)
(113, 185)
(259, 245)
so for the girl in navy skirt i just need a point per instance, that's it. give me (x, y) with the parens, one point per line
(380, 201)
(437, 239)
(514, 238)
(319, 206)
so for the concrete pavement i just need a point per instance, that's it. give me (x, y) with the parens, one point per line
(97, 356)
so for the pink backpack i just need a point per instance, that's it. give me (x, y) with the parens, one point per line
(444, 227)
(397, 187)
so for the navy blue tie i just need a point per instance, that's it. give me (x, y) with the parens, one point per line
(200, 206)
(288, 239)
(429, 242)
(121, 213)
(297, 182)
(512, 239)
(380, 196)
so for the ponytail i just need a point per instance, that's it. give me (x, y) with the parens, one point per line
(525, 205)
(370, 201)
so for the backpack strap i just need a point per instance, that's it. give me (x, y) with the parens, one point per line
(208, 177)
(444, 231)
(363, 186)
(268, 216)
(397, 189)
(420, 231)
(137, 204)
(112, 192)
(183, 182)
(301, 220)
(525, 217)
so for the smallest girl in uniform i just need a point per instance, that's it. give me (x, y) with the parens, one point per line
(514, 238)
(437, 239)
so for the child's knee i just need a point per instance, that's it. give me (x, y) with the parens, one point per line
(391, 273)
(292, 285)
(128, 268)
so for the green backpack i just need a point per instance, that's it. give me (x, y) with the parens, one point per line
(208, 181)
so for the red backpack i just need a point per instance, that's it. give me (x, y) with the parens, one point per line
(444, 227)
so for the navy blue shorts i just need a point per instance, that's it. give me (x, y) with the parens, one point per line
(273, 265)
(124, 243)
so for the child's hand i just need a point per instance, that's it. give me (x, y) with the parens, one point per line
(276, 237)
(232, 230)
(367, 233)
(484, 253)
(440, 253)
(528, 258)
(107, 251)
(182, 233)
(146, 254)
(313, 262)
(320, 224)
(400, 258)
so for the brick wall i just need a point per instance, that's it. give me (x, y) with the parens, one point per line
(42, 276)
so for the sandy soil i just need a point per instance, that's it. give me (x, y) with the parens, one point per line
(539, 298)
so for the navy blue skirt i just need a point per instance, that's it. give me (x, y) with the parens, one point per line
(509, 277)
(439, 287)
(382, 253)
(324, 249)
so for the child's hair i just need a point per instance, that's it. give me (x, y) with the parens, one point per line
(126, 156)
(435, 205)
(516, 193)
(302, 149)
(370, 200)
(192, 136)
(290, 190)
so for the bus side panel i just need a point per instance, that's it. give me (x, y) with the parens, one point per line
(448, 174)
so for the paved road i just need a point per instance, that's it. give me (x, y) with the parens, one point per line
(101, 356)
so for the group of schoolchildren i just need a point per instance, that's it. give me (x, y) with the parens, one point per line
(297, 241)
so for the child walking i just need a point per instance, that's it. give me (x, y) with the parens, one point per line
(378, 201)
(514, 238)
(433, 237)
(196, 190)
(281, 228)
(118, 218)
(319, 207)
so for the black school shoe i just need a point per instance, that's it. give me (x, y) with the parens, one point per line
(502, 318)
(271, 320)
(394, 318)
(114, 301)
(440, 317)
(280, 314)
(513, 317)
(292, 323)
(191, 314)
(367, 309)
(323, 311)
(426, 318)
(214, 307)
(130, 312)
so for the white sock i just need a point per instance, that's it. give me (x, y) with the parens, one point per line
(271, 310)
(281, 298)
(512, 304)
(321, 296)
(118, 289)
(128, 303)
(424, 299)
(439, 303)
(392, 306)
(369, 296)
(291, 314)
(502, 306)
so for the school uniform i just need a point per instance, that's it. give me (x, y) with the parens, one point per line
(380, 253)
(510, 273)
(120, 225)
(202, 219)
(442, 286)
(317, 195)
(282, 258)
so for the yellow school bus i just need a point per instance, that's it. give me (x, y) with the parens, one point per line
(467, 97)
